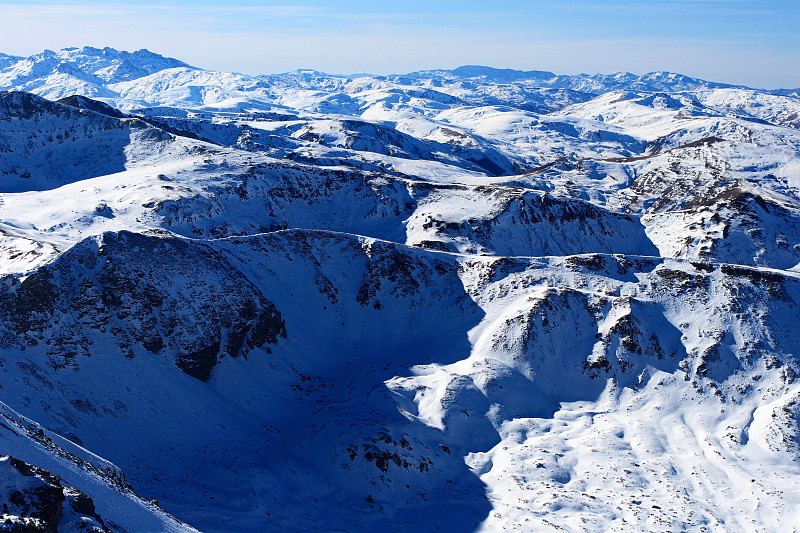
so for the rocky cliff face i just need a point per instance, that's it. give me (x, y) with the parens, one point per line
(117, 287)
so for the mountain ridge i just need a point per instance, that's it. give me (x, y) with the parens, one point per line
(84, 57)
(400, 303)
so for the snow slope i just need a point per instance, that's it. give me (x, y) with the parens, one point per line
(72, 472)
(468, 300)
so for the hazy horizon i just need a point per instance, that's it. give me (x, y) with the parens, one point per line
(754, 42)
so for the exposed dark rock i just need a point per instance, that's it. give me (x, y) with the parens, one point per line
(590, 262)
(199, 363)
(705, 267)
(772, 282)
(400, 274)
(39, 503)
(164, 295)
(594, 366)
(268, 327)
(82, 102)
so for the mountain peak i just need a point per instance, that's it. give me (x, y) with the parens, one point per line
(106, 64)
(499, 74)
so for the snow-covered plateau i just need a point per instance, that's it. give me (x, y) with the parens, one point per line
(454, 300)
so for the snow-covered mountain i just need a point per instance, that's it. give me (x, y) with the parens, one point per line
(55, 498)
(475, 299)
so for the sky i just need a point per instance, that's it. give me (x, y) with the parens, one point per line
(751, 42)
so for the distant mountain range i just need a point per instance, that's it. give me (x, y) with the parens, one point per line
(453, 300)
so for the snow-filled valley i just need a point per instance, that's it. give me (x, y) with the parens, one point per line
(467, 300)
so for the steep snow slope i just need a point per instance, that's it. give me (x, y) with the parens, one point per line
(46, 145)
(57, 498)
(444, 301)
(467, 364)
(659, 449)
(234, 434)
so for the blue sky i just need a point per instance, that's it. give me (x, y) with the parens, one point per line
(754, 42)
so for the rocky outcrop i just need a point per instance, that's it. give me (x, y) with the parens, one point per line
(35, 501)
(146, 294)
